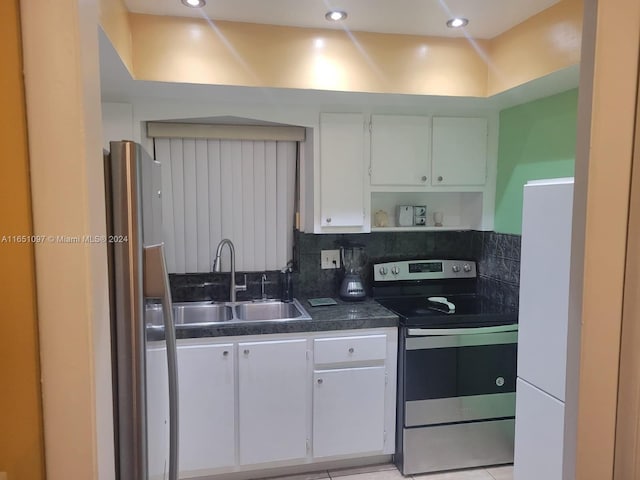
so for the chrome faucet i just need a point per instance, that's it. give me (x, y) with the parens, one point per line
(262, 282)
(233, 288)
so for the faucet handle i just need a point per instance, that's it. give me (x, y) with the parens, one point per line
(242, 288)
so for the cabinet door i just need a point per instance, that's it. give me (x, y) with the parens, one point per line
(547, 213)
(272, 381)
(206, 407)
(348, 411)
(459, 151)
(342, 170)
(539, 436)
(157, 384)
(400, 150)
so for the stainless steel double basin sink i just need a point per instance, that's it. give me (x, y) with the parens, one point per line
(198, 314)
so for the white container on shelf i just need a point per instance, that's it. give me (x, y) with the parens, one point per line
(405, 216)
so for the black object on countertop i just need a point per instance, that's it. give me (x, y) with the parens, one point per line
(286, 285)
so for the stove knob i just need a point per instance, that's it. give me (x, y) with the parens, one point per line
(466, 267)
(383, 270)
(455, 268)
(395, 270)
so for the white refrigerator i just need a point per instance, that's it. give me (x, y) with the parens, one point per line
(543, 326)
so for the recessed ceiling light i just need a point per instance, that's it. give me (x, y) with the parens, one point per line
(335, 15)
(457, 22)
(194, 3)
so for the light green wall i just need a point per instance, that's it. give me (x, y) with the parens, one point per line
(536, 140)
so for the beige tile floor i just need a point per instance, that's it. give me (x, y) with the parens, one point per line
(389, 472)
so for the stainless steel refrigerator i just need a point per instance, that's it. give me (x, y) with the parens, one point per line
(144, 359)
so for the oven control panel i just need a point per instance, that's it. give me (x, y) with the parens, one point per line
(423, 270)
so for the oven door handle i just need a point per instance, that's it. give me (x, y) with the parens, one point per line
(433, 332)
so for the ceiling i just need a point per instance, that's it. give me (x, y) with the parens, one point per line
(487, 18)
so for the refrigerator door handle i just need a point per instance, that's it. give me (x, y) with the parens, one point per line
(156, 284)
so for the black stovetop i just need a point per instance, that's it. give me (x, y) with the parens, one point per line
(470, 311)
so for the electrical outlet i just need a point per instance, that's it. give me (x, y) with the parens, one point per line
(329, 259)
(3, 476)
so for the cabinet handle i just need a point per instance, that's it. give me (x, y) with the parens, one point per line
(328, 219)
(424, 178)
(320, 381)
(225, 353)
(351, 350)
(246, 352)
(440, 178)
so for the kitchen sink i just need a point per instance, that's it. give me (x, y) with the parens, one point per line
(270, 310)
(195, 314)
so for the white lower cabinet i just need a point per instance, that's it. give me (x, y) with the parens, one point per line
(206, 407)
(249, 403)
(272, 380)
(157, 386)
(348, 411)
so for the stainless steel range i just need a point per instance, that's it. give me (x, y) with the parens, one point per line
(457, 366)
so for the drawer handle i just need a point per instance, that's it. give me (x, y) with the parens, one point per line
(424, 178)
(246, 352)
(320, 381)
(328, 219)
(225, 353)
(351, 350)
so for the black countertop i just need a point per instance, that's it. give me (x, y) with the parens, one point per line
(343, 316)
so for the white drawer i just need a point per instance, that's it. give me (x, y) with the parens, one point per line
(350, 349)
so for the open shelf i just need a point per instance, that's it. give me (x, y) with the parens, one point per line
(446, 228)
(461, 210)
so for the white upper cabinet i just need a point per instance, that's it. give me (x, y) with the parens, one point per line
(400, 150)
(459, 155)
(342, 198)
(444, 162)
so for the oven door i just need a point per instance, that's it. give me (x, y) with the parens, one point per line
(459, 375)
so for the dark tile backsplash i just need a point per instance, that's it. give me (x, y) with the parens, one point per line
(311, 281)
(497, 255)
(193, 287)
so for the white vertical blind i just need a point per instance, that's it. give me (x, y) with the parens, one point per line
(190, 213)
(260, 204)
(214, 189)
(203, 193)
(237, 189)
(179, 207)
(271, 216)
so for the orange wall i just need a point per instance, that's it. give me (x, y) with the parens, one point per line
(544, 43)
(21, 446)
(195, 50)
(603, 177)
(114, 20)
(191, 50)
